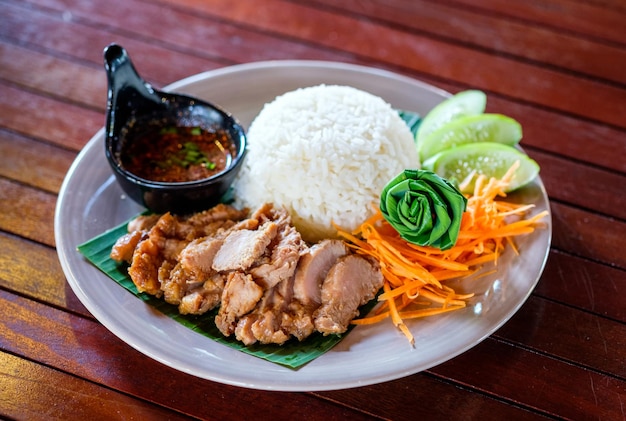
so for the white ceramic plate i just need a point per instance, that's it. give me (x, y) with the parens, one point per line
(90, 202)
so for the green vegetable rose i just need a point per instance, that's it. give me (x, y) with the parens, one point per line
(424, 208)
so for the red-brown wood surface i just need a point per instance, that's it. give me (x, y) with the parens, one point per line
(557, 66)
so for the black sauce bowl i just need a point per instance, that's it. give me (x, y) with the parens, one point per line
(133, 101)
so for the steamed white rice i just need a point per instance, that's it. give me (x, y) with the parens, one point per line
(325, 153)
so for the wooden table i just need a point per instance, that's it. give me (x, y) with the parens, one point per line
(557, 66)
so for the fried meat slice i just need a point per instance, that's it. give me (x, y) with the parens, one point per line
(351, 282)
(161, 238)
(192, 284)
(241, 294)
(313, 268)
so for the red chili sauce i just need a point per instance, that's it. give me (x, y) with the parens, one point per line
(177, 154)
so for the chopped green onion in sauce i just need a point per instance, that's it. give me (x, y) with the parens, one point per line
(176, 153)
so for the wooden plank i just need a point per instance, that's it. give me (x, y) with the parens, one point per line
(572, 335)
(483, 30)
(33, 163)
(56, 77)
(590, 235)
(36, 392)
(547, 384)
(614, 5)
(565, 135)
(604, 20)
(85, 349)
(196, 46)
(546, 87)
(63, 124)
(27, 212)
(76, 41)
(587, 285)
(545, 129)
(424, 396)
(565, 180)
(33, 270)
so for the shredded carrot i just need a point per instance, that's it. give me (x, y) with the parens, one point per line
(415, 276)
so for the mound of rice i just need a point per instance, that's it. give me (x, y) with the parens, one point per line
(325, 153)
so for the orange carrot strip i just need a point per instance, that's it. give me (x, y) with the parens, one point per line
(444, 275)
(403, 289)
(414, 314)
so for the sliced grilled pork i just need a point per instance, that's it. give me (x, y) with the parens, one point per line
(351, 282)
(241, 294)
(276, 318)
(162, 239)
(242, 248)
(125, 246)
(158, 247)
(265, 322)
(198, 255)
(313, 268)
(143, 222)
(274, 272)
(192, 284)
(269, 285)
(204, 297)
(220, 212)
(282, 257)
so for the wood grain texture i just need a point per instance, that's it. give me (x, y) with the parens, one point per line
(27, 212)
(408, 50)
(550, 88)
(564, 180)
(521, 40)
(563, 135)
(590, 286)
(602, 20)
(594, 342)
(53, 76)
(557, 66)
(33, 270)
(56, 120)
(85, 349)
(538, 381)
(32, 162)
(543, 128)
(36, 392)
(425, 396)
(590, 235)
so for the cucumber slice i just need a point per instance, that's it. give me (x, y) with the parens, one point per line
(488, 158)
(471, 129)
(464, 103)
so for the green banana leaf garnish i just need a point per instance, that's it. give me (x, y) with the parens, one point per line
(424, 208)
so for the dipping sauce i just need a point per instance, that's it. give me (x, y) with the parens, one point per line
(176, 154)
